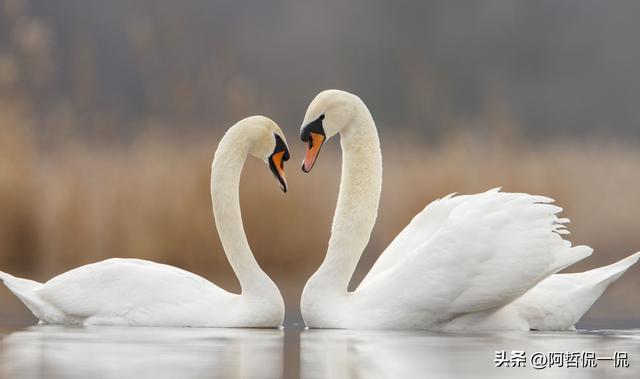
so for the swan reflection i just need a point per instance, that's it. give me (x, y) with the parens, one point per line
(396, 354)
(108, 352)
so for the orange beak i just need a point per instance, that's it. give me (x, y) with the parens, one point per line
(313, 149)
(276, 162)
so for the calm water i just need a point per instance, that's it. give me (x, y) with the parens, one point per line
(107, 352)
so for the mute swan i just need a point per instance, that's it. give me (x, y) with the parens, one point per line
(144, 293)
(464, 262)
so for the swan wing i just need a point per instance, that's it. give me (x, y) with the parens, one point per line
(420, 229)
(132, 290)
(489, 250)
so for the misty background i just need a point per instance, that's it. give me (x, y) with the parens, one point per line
(110, 112)
(564, 68)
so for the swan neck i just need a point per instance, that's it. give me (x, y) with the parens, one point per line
(357, 208)
(226, 169)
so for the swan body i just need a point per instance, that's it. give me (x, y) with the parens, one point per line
(134, 292)
(137, 292)
(483, 261)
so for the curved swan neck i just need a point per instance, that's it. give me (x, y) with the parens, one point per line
(357, 208)
(226, 169)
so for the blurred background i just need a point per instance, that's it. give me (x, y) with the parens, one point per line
(110, 112)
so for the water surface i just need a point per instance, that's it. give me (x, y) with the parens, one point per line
(374, 354)
(113, 352)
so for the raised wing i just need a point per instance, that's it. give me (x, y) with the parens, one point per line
(489, 249)
(422, 227)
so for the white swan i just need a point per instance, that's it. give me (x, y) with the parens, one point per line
(138, 292)
(464, 262)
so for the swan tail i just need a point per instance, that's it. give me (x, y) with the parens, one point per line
(560, 301)
(607, 274)
(18, 284)
(25, 290)
(590, 285)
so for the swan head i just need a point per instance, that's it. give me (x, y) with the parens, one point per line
(328, 113)
(267, 143)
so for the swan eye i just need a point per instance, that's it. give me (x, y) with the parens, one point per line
(314, 126)
(281, 146)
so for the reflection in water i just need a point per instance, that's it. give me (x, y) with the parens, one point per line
(371, 354)
(108, 352)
